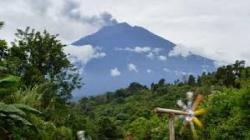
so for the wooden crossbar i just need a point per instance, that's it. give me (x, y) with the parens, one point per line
(164, 110)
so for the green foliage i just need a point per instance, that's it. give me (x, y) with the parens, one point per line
(48, 130)
(16, 117)
(63, 133)
(191, 80)
(228, 116)
(38, 57)
(107, 130)
(8, 84)
(13, 116)
(154, 128)
(36, 79)
(3, 50)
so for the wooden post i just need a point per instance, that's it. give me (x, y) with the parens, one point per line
(171, 115)
(171, 126)
(130, 136)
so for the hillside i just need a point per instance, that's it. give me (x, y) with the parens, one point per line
(134, 54)
(129, 112)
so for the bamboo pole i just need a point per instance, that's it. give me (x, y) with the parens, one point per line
(171, 126)
(164, 110)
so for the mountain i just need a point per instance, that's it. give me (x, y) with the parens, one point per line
(134, 54)
(123, 35)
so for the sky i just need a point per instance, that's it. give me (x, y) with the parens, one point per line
(216, 29)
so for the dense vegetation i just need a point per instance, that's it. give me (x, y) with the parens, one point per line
(37, 80)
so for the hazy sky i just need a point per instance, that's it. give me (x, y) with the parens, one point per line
(217, 29)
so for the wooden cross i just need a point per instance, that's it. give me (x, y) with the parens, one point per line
(171, 116)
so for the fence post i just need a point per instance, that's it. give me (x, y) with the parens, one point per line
(171, 126)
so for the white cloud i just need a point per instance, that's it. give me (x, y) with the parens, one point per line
(150, 55)
(162, 58)
(203, 26)
(63, 17)
(176, 72)
(136, 49)
(183, 73)
(157, 50)
(115, 72)
(180, 72)
(179, 50)
(149, 71)
(83, 54)
(142, 49)
(147, 51)
(132, 67)
(166, 70)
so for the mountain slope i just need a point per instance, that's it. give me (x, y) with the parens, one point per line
(123, 35)
(134, 54)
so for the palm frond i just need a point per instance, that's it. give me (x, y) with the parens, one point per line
(9, 79)
(11, 109)
(26, 108)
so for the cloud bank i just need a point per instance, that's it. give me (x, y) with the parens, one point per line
(63, 17)
(217, 29)
(81, 55)
(179, 50)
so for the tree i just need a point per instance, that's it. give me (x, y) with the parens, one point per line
(1, 24)
(160, 88)
(3, 47)
(108, 130)
(38, 57)
(161, 82)
(230, 75)
(191, 80)
(3, 50)
(135, 88)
